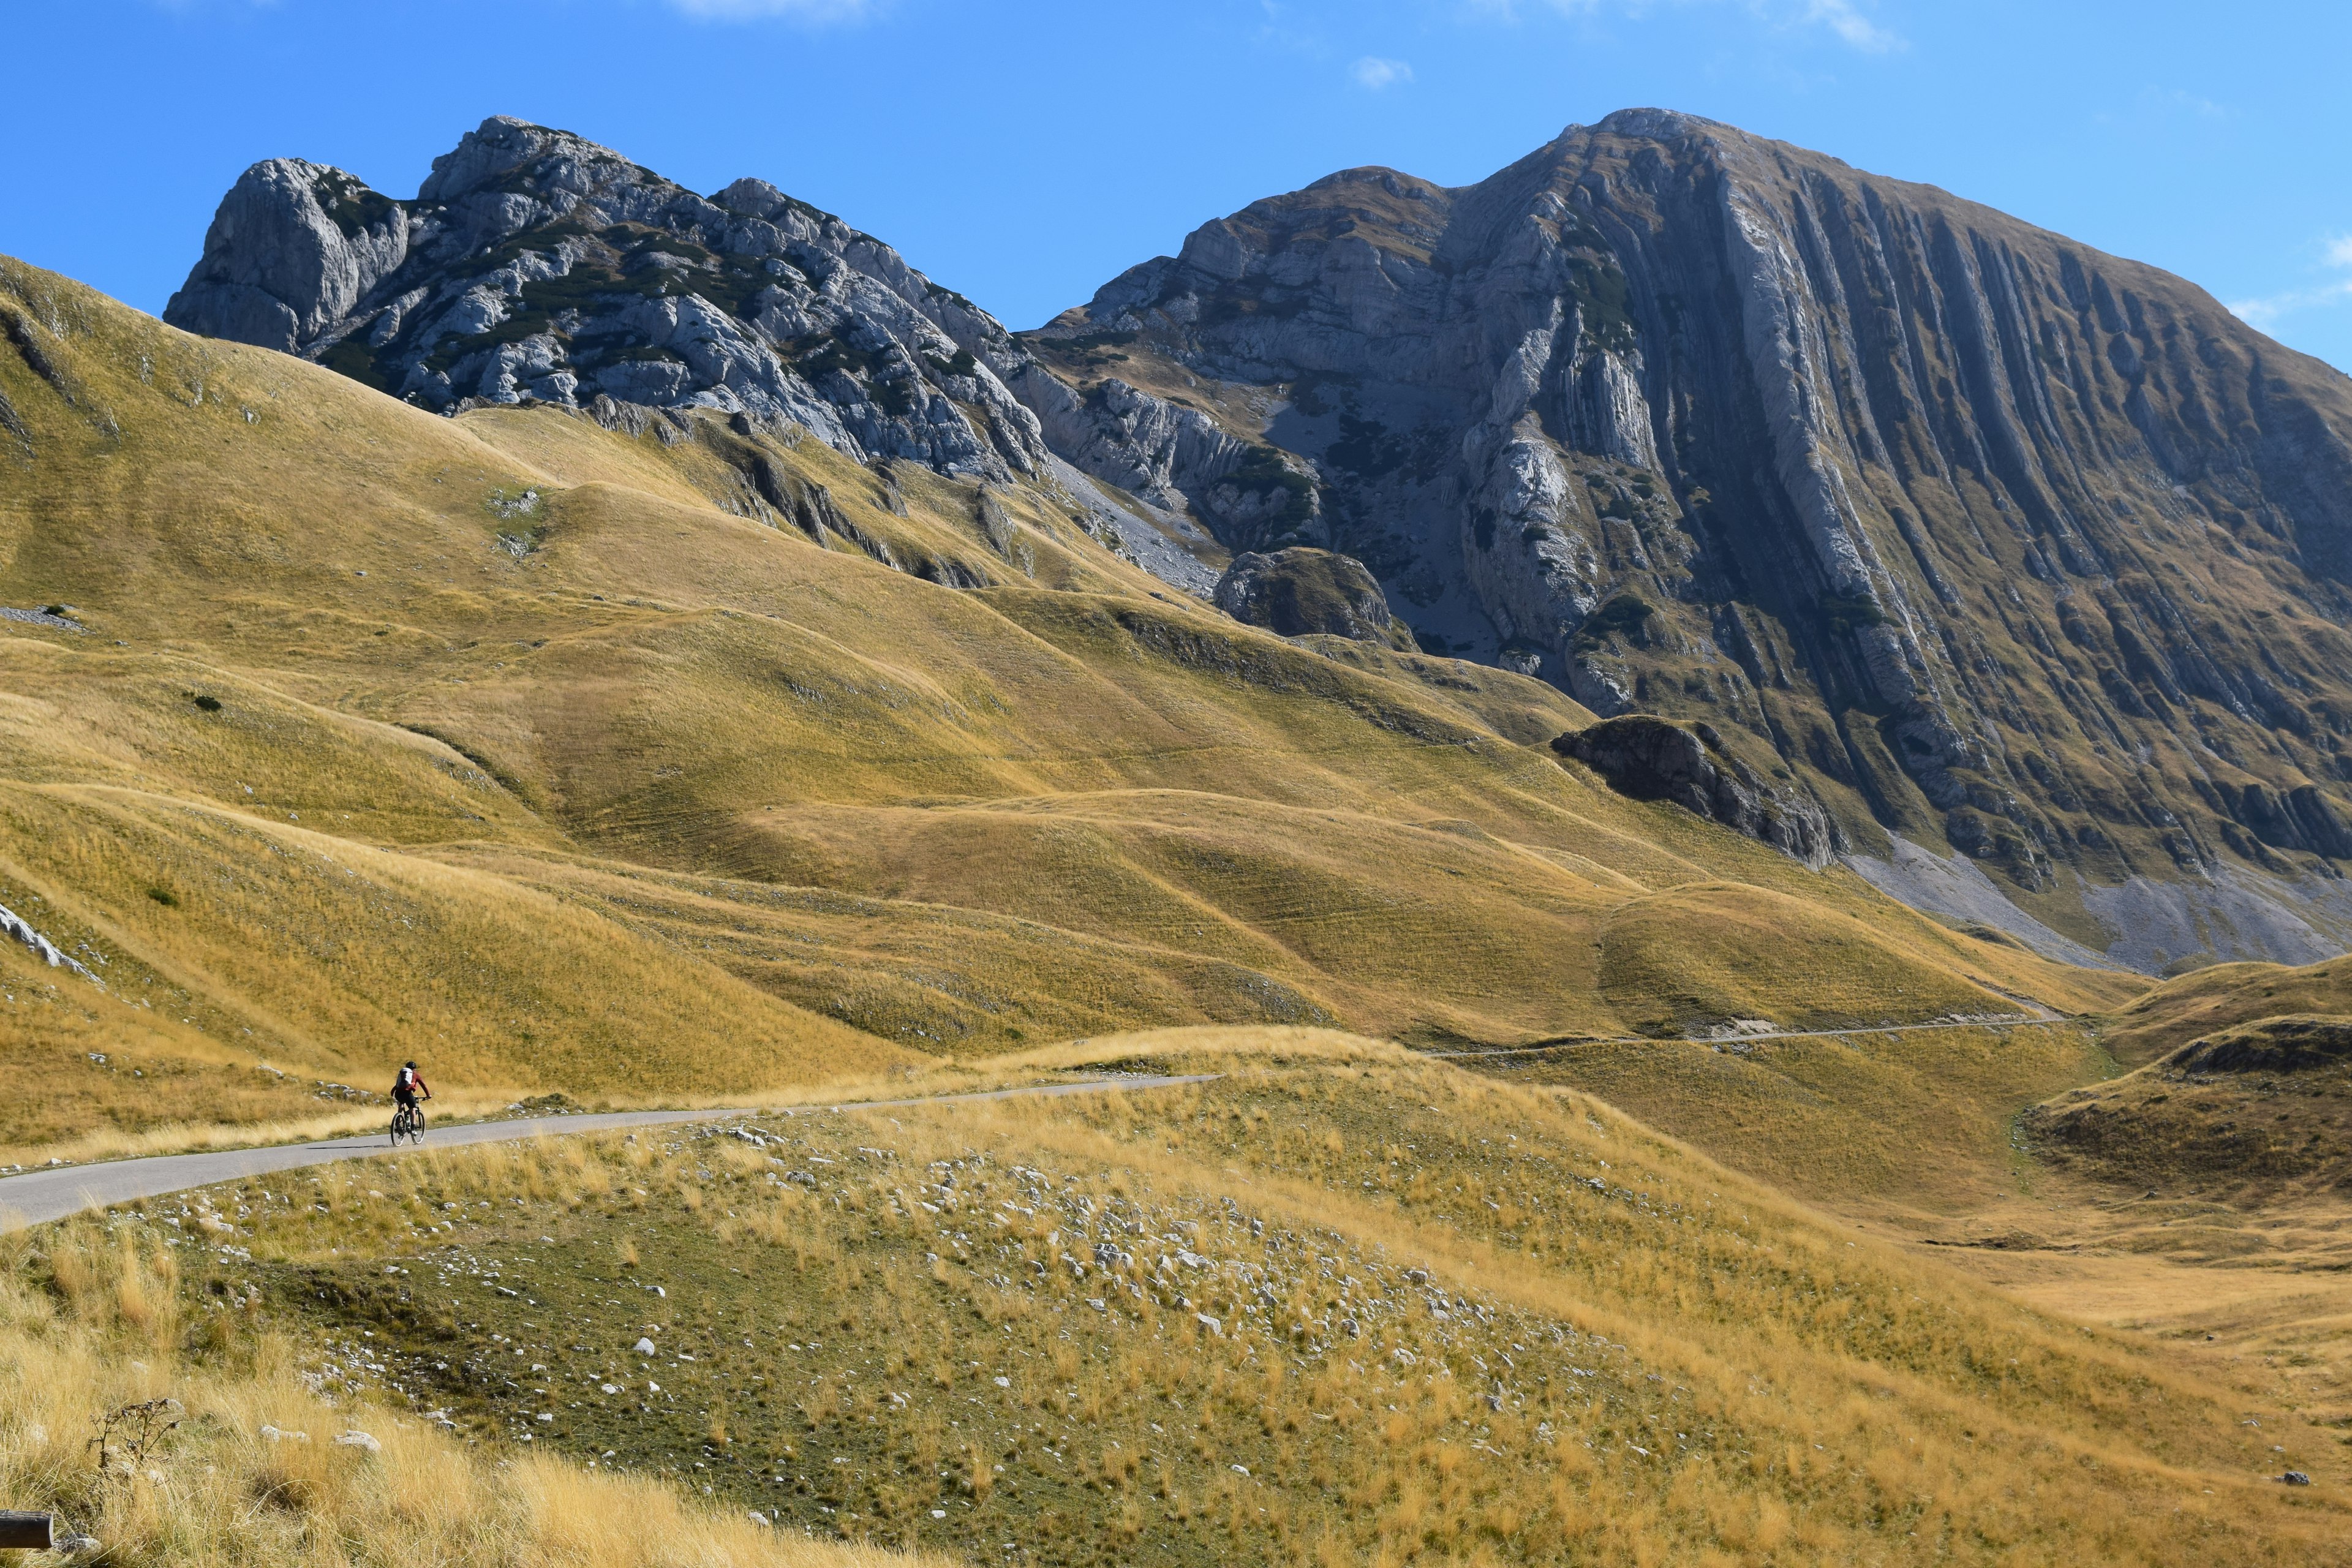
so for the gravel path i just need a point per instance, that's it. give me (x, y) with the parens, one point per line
(1743, 1039)
(38, 1197)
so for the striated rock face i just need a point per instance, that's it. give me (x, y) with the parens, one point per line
(533, 264)
(2001, 544)
(1300, 591)
(1651, 759)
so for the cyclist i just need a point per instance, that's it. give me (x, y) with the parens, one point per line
(407, 1087)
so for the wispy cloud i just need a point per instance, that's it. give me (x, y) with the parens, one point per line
(1841, 18)
(2268, 309)
(1374, 73)
(818, 11)
(2180, 100)
(1848, 21)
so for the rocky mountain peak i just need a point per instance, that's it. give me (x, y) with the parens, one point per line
(533, 264)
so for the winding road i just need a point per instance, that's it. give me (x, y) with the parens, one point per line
(38, 1197)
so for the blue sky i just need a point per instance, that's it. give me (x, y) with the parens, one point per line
(1025, 152)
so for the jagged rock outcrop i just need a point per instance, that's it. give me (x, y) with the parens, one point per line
(1301, 592)
(1651, 759)
(534, 264)
(1999, 543)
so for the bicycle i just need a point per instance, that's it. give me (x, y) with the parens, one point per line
(409, 1120)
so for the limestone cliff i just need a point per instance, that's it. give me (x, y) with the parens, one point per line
(2013, 550)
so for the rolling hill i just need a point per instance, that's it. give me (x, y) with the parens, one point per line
(704, 759)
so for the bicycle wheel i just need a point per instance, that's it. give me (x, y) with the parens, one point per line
(417, 1125)
(398, 1118)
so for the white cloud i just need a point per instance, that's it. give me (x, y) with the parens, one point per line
(1850, 25)
(2270, 307)
(1375, 73)
(766, 10)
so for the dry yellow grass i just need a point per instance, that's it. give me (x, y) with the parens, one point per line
(1918, 1121)
(1675, 1366)
(2207, 1001)
(253, 1472)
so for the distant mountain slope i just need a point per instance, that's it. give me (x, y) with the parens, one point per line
(693, 760)
(2007, 546)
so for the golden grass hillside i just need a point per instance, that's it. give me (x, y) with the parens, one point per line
(1339, 1305)
(2255, 1113)
(2217, 997)
(251, 1464)
(1912, 1124)
(581, 762)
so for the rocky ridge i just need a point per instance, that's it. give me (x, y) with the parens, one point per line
(534, 264)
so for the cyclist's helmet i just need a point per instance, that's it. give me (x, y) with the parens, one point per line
(409, 1064)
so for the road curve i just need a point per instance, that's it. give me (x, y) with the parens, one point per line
(37, 1197)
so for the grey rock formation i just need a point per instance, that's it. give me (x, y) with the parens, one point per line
(2004, 545)
(535, 265)
(1301, 592)
(1651, 759)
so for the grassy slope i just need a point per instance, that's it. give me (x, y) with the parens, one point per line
(1618, 1351)
(2206, 1001)
(1918, 1123)
(111, 1322)
(483, 686)
(2254, 1130)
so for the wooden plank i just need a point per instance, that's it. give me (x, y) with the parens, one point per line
(25, 1532)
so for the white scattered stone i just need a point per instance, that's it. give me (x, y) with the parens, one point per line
(1004, 1383)
(356, 1439)
(758, 1519)
(1213, 1325)
(611, 1388)
(644, 1347)
(274, 1435)
(1239, 1469)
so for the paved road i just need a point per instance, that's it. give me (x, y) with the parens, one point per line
(1744, 1039)
(37, 1197)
